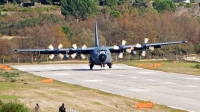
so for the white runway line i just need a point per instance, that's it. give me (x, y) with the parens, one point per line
(145, 72)
(120, 75)
(106, 73)
(62, 74)
(151, 80)
(140, 90)
(21, 68)
(192, 86)
(93, 80)
(36, 68)
(134, 77)
(192, 78)
(49, 68)
(170, 83)
(176, 107)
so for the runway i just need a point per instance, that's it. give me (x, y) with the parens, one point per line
(174, 90)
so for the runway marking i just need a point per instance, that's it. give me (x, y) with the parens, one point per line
(134, 77)
(176, 107)
(93, 80)
(170, 83)
(120, 75)
(192, 78)
(35, 68)
(140, 90)
(49, 68)
(191, 86)
(151, 80)
(62, 74)
(145, 72)
(21, 68)
(67, 82)
(106, 73)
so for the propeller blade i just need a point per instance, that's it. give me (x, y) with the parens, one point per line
(116, 47)
(60, 46)
(146, 40)
(61, 56)
(123, 42)
(138, 45)
(51, 56)
(51, 47)
(128, 50)
(84, 46)
(83, 56)
(143, 53)
(120, 55)
(151, 48)
(73, 55)
(74, 46)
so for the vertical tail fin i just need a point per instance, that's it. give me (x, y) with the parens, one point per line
(96, 35)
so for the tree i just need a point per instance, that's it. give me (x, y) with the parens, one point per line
(141, 4)
(111, 3)
(164, 5)
(79, 8)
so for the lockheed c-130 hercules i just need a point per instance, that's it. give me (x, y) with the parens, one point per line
(99, 55)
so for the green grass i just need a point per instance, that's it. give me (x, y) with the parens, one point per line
(13, 107)
(183, 67)
(97, 103)
(8, 97)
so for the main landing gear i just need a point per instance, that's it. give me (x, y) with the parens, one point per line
(91, 65)
(109, 65)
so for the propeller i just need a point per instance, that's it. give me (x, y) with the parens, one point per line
(78, 51)
(144, 47)
(56, 51)
(121, 48)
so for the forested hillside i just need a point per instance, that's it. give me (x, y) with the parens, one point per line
(73, 22)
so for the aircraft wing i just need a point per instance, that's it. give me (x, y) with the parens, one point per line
(141, 46)
(43, 51)
(80, 50)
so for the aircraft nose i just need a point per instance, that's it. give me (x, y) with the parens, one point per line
(102, 57)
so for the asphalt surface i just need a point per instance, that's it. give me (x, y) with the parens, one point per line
(171, 89)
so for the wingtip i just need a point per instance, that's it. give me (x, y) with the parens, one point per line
(184, 41)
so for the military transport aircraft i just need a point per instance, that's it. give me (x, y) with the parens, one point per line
(99, 55)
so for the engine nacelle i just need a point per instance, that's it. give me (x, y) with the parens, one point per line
(66, 56)
(133, 52)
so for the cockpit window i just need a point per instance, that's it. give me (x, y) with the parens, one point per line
(100, 50)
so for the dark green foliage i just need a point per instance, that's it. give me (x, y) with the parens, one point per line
(25, 23)
(9, 75)
(79, 8)
(161, 5)
(67, 31)
(179, 50)
(198, 66)
(111, 3)
(115, 14)
(141, 5)
(181, 4)
(192, 1)
(13, 107)
(197, 48)
(188, 5)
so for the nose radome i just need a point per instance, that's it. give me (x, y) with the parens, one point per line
(102, 57)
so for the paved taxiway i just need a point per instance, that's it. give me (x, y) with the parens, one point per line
(170, 89)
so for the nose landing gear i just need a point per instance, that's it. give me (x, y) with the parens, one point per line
(102, 65)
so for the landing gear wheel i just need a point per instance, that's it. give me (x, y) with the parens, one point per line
(110, 65)
(91, 66)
